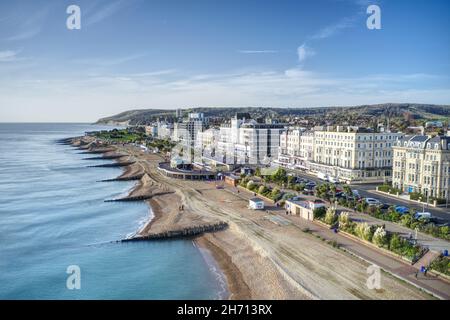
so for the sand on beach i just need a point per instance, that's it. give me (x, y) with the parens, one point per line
(260, 259)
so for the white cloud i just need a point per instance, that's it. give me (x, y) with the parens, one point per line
(104, 62)
(331, 30)
(304, 52)
(105, 12)
(257, 51)
(8, 55)
(79, 98)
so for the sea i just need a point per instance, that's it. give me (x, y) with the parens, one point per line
(58, 237)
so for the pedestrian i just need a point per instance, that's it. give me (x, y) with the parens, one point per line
(425, 272)
(417, 273)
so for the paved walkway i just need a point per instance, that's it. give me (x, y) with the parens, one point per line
(423, 239)
(398, 268)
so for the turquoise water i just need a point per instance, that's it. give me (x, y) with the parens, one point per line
(53, 215)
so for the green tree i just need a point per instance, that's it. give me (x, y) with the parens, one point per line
(319, 213)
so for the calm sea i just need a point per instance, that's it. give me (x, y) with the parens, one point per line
(53, 215)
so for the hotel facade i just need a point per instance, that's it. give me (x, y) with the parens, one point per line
(350, 154)
(422, 164)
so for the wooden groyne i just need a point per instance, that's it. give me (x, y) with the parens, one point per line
(139, 198)
(131, 178)
(180, 233)
(97, 151)
(111, 157)
(113, 165)
(67, 141)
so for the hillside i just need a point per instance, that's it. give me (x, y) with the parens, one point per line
(342, 113)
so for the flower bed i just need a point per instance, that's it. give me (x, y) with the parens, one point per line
(381, 238)
(271, 194)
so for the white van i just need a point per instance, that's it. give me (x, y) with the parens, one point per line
(333, 180)
(322, 176)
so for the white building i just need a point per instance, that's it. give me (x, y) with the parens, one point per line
(164, 130)
(348, 154)
(422, 164)
(245, 141)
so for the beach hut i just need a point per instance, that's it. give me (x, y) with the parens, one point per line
(256, 204)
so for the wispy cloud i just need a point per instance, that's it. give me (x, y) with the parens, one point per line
(8, 55)
(333, 29)
(105, 12)
(30, 26)
(257, 51)
(304, 52)
(105, 62)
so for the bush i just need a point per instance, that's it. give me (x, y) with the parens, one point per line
(441, 264)
(251, 185)
(263, 190)
(384, 188)
(364, 231)
(275, 194)
(380, 237)
(319, 213)
(402, 247)
(330, 216)
(299, 187)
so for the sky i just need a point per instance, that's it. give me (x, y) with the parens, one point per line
(136, 54)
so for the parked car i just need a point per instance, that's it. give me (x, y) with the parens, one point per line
(373, 202)
(402, 209)
(385, 206)
(308, 191)
(310, 184)
(340, 194)
(322, 176)
(423, 215)
(333, 180)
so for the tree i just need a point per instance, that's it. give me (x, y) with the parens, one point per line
(262, 190)
(279, 176)
(319, 213)
(275, 194)
(395, 244)
(348, 191)
(407, 220)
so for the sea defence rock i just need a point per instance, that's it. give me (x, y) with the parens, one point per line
(180, 233)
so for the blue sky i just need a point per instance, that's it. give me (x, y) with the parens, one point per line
(132, 54)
